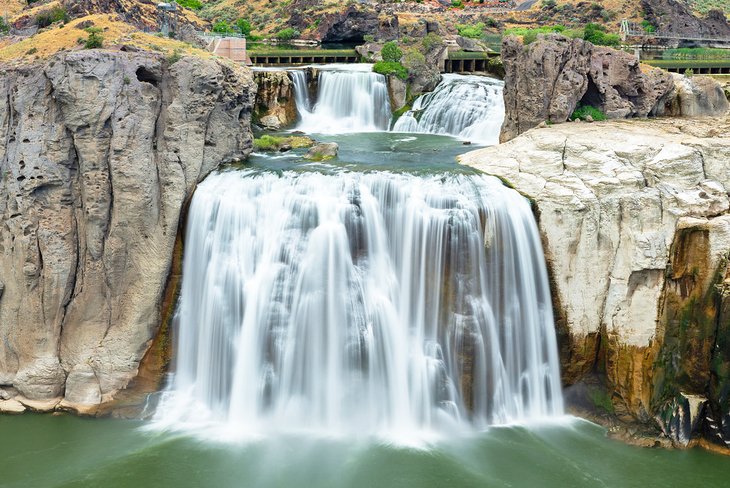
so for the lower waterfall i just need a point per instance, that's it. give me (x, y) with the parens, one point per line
(375, 303)
(350, 98)
(465, 106)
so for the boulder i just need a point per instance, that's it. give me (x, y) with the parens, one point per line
(472, 45)
(322, 151)
(101, 150)
(397, 92)
(695, 96)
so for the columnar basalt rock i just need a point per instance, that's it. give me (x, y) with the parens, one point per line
(99, 153)
(634, 217)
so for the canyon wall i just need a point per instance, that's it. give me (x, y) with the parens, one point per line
(99, 153)
(635, 219)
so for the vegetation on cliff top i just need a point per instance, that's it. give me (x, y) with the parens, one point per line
(75, 35)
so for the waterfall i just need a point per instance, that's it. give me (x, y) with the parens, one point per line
(301, 91)
(465, 106)
(375, 303)
(350, 98)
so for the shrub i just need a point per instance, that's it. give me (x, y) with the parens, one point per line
(431, 40)
(48, 17)
(548, 4)
(174, 56)
(95, 40)
(583, 111)
(287, 34)
(391, 53)
(596, 34)
(4, 27)
(32, 50)
(221, 27)
(368, 38)
(457, 4)
(391, 68)
(471, 31)
(648, 26)
(191, 4)
(244, 26)
(689, 72)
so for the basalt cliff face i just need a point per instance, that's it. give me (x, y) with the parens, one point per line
(100, 151)
(548, 79)
(636, 229)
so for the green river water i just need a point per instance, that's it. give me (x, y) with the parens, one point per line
(44, 451)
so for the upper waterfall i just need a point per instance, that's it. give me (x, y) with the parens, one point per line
(465, 106)
(373, 303)
(350, 98)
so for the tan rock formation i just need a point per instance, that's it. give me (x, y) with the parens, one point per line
(276, 106)
(99, 153)
(634, 217)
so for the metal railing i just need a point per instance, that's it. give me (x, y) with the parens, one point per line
(632, 29)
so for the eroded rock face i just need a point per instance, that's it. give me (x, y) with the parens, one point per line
(276, 106)
(635, 224)
(673, 16)
(546, 80)
(100, 151)
(695, 96)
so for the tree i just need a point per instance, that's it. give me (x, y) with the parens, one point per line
(244, 26)
(391, 53)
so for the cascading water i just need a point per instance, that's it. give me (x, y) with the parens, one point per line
(465, 106)
(350, 98)
(374, 303)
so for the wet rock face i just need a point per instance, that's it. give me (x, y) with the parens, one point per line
(100, 151)
(276, 106)
(350, 24)
(635, 220)
(548, 79)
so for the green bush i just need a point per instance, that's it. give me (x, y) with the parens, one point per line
(391, 68)
(191, 4)
(391, 53)
(287, 34)
(471, 31)
(689, 72)
(222, 27)
(648, 26)
(4, 27)
(244, 26)
(530, 35)
(95, 40)
(368, 38)
(583, 111)
(457, 4)
(596, 34)
(48, 17)
(431, 40)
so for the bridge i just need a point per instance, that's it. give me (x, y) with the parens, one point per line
(632, 29)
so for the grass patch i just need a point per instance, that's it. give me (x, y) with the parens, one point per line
(275, 143)
(529, 35)
(391, 68)
(583, 111)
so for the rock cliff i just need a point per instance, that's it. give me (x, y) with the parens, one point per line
(546, 80)
(100, 151)
(276, 105)
(636, 229)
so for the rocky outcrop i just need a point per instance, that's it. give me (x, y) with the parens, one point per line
(322, 151)
(348, 24)
(275, 106)
(547, 80)
(674, 17)
(695, 96)
(99, 153)
(636, 230)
